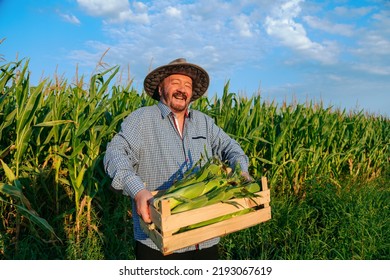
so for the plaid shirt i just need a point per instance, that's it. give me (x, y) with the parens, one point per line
(149, 153)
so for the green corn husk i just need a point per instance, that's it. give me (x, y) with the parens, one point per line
(208, 171)
(221, 194)
(211, 184)
(200, 201)
(189, 192)
(182, 194)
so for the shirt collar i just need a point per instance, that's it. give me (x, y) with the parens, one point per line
(165, 111)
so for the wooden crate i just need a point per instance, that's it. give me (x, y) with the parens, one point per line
(164, 225)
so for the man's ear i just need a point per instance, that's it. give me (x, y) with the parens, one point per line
(160, 89)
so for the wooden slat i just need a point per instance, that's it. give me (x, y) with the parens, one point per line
(176, 221)
(196, 236)
(153, 234)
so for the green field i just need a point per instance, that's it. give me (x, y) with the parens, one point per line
(327, 168)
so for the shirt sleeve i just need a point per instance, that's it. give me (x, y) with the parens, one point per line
(121, 158)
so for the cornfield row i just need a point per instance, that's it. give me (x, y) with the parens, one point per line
(53, 137)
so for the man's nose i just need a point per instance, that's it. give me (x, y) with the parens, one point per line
(182, 88)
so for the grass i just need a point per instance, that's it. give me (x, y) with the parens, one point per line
(349, 223)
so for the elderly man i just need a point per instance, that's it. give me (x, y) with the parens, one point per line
(158, 144)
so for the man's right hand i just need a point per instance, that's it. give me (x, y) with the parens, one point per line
(142, 201)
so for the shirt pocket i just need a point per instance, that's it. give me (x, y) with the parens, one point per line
(199, 147)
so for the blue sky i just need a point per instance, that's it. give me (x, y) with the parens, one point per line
(337, 52)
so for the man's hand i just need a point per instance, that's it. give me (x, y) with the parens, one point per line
(247, 177)
(142, 204)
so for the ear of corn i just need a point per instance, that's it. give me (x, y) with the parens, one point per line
(195, 203)
(209, 170)
(212, 184)
(191, 191)
(221, 194)
(181, 194)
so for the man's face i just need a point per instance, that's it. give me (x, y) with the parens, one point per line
(176, 92)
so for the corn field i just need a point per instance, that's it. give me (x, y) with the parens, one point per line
(55, 196)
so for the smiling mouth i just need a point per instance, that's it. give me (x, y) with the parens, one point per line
(180, 96)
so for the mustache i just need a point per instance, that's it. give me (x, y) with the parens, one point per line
(180, 95)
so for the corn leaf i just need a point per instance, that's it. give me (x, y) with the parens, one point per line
(8, 172)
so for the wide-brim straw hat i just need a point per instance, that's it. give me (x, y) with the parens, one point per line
(199, 76)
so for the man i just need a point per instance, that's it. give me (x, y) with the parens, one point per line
(158, 144)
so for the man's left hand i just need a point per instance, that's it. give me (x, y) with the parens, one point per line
(247, 177)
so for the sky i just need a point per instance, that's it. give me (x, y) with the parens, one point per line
(334, 52)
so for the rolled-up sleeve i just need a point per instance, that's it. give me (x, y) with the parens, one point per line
(120, 160)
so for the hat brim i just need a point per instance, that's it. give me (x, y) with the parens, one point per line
(200, 78)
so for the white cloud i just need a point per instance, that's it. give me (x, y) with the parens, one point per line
(243, 25)
(140, 7)
(90, 58)
(372, 50)
(281, 24)
(104, 7)
(219, 35)
(70, 18)
(373, 69)
(173, 12)
(328, 26)
(374, 43)
(349, 12)
(116, 11)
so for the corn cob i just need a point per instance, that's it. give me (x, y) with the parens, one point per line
(211, 184)
(232, 191)
(197, 202)
(189, 192)
(180, 195)
(216, 195)
(209, 170)
(221, 194)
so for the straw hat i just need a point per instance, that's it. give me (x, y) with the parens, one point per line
(200, 78)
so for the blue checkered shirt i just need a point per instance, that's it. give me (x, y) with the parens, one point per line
(149, 152)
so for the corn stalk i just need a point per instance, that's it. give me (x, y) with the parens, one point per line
(21, 115)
